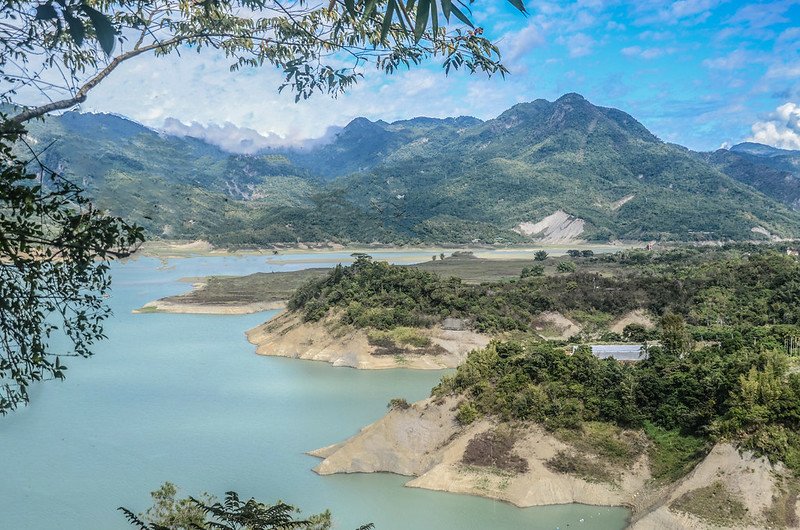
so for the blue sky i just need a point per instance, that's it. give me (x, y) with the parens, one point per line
(701, 73)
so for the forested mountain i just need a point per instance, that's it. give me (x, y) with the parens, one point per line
(553, 170)
(774, 172)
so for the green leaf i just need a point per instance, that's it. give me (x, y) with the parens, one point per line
(351, 7)
(446, 9)
(387, 20)
(421, 23)
(45, 12)
(461, 16)
(76, 29)
(106, 34)
(519, 4)
(370, 8)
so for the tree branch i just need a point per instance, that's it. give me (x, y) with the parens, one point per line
(80, 95)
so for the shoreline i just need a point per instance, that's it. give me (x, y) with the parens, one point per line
(425, 443)
(165, 306)
(177, 249)
(286, 335)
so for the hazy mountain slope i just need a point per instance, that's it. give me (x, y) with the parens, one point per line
(774, 172)
(363, 144)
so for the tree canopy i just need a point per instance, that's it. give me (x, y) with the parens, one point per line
(69, 46)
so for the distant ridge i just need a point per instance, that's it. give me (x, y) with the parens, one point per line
(461, 180)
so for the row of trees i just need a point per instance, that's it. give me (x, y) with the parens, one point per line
(719, 293)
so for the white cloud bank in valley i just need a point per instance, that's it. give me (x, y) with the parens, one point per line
(780, 129)
(242, 140)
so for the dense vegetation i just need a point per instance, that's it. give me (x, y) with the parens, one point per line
(456, 180)
(734, 293)
(773, 172)
(726, 391)
(720, 368)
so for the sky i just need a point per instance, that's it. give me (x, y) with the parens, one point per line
(700, 73)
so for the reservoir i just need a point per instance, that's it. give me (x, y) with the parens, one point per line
(183, 398)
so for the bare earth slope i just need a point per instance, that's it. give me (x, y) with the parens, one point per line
(288, 336)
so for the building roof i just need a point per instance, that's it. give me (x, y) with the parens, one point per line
(620, 352)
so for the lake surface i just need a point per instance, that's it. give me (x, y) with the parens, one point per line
(183, 398)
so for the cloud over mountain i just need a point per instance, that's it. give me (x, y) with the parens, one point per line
(781, 128)
(241, 140)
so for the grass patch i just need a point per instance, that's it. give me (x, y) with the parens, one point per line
(579, 465)
(606, 441)
(713, 504)
(253, 288)
(782, 513)
(672, 454)
(148, 309)
(399, 336)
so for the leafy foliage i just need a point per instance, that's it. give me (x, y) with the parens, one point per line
(232, 513)
(731, 294)
(55, 248)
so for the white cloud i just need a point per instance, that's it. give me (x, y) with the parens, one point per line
(762, 15)
(682, 11)
(580, 45)
(780, 129)
(200, 89)
(239, 139)
(516, 46)
(646, 53)
(783, 71)
(735, 60)
(650, 35)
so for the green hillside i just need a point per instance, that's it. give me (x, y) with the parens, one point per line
(774, 172)
(425, 180)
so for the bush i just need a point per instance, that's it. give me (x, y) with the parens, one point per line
(566, 266)
(532, 271)
(398, 404)
(467, 413)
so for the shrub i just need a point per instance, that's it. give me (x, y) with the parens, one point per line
(566, 266)
(494, 449)
(398, 404)
(467, 413)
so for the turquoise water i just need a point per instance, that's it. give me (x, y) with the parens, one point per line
(183, 398)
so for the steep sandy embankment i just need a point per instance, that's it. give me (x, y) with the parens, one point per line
(425, 442)
(558, 227)
(639, 316)
(288, 336)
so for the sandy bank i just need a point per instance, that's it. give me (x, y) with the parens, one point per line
(425, 442)
(639, 316)
(288, 336)
(164, 306)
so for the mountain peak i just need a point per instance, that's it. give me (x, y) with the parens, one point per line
(571, 97)
(753, 148)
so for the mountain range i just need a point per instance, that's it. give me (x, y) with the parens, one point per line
(553, 171)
